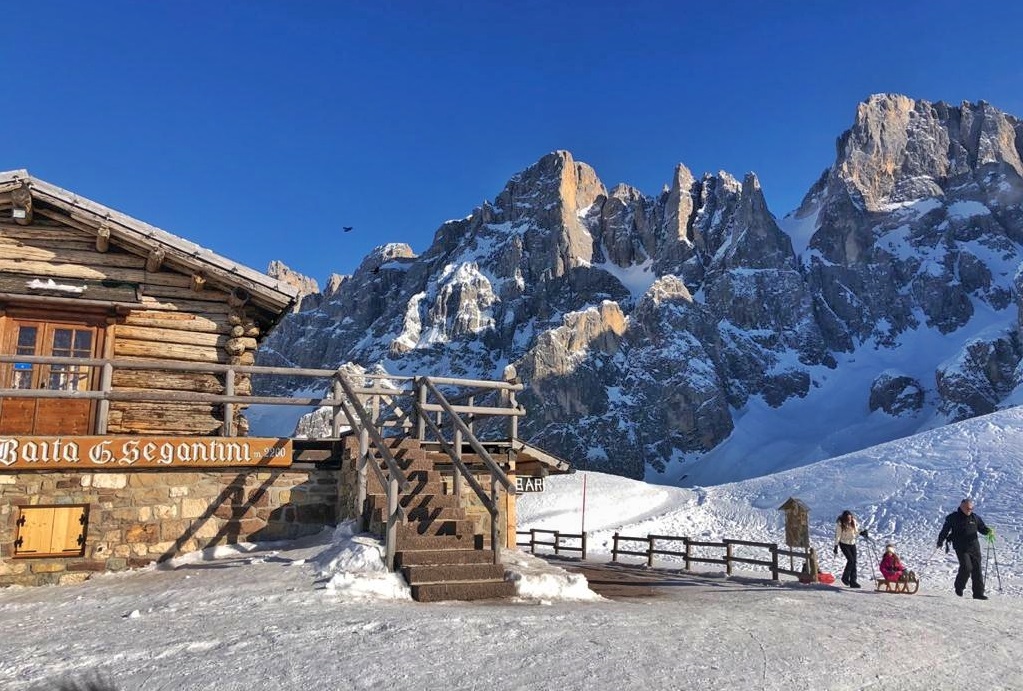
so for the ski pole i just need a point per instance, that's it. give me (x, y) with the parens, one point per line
(994, 553)
(987, 559)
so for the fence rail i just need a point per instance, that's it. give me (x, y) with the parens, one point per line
(556, 544)
(728, 558)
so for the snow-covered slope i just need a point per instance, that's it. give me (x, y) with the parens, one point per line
(901, 490)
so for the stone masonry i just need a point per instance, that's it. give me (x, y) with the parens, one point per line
(140, 517)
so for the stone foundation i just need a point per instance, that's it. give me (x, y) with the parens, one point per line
(138, 517)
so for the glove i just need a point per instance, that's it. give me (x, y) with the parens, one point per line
(938, 546)
(990, 537)
(836, 550)
(864, 533)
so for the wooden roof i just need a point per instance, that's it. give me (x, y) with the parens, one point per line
(136, 236)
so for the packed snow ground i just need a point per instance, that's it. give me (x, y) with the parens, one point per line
(323, 614)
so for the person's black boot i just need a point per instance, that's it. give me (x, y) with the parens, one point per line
(980, 597)
(854, 584)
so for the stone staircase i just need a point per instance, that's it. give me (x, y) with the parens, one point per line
(437, 550)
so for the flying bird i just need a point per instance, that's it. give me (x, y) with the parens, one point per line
(347, 229)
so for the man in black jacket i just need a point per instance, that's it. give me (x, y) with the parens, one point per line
(962, 527)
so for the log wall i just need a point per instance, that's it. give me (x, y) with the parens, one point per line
(176, 316)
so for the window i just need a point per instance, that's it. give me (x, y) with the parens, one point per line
(57, 341)
(51, 531)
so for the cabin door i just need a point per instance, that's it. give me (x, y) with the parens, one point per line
(48, 416)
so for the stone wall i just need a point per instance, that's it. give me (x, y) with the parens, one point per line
(139, 517)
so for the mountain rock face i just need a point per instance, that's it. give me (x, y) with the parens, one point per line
(646, 328)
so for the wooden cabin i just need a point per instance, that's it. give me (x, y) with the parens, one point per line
(95, 484)
(126, 358)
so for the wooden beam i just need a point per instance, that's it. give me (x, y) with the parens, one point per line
(155, 260)
(21, 199)
(238, 297)
(103, 238)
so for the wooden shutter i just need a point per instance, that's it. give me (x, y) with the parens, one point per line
(51, 531)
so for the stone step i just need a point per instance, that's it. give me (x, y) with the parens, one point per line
(437, 542)
(442, 556)
(415, 501)
(426, 528)
(440, 513)
(420, 480)
(462, 590)
(417, 574)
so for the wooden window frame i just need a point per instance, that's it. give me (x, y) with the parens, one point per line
(71, 510)
(98, 320)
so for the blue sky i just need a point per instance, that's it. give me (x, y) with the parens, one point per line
(259, 129)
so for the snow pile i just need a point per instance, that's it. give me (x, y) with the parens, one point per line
(354, 567)
(537, 580)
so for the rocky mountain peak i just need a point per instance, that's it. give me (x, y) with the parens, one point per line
(900, 149)
(282, 272)
(642, 324)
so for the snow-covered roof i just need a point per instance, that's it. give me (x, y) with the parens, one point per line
(270, 293)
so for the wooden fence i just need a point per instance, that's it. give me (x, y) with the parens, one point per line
(695, 552)
(556, 544)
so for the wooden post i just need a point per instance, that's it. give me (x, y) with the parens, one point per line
(227, 430)
(649, 550)
(689, 553)
(513, 420)
(472, 418)
(374, 407)
(774, 563)
(532, 540)
(584, 547)
(421, 393)
(494, 520)
(457, 480)
(362, 477)
(614, 547)
(392, 521)
(335, 418)
(106, 378)
(728, 557)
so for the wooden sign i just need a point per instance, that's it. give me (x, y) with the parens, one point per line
(128, 452)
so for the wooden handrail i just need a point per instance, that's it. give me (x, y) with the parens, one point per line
(495, 470)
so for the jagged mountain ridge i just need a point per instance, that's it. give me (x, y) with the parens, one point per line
(646, 328)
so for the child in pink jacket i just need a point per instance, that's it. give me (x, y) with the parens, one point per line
(891, 566)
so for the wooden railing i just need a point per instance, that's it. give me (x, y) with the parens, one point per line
(729, 558)
(361, 404)
(556, 543)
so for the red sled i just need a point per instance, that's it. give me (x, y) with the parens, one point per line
(826, 578)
